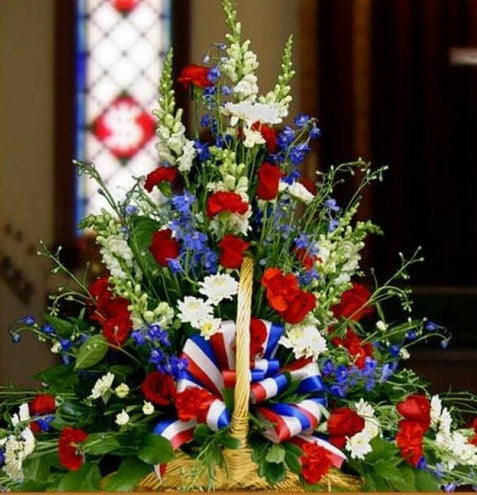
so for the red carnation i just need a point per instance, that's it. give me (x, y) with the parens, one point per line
(158, 388)
(299, 307)
(225, 201)
(68, 444)
(354, 345)
(268, 180)
(342, 423)
(196, 75)
(42, 404)
(161, 174)
(268, 133)
(100, 290)
(284, 295)
(163, 247)
(473, 440)
(315, 462)
(409, 440)
(193, 403)
(258, 336)
(416, 408)
(354, 303)
(232, 248)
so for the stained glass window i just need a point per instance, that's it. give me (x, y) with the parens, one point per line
(121, 46)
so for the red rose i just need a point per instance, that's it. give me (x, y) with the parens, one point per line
(193, 403)
(225, 201)
(42, 404)
(343, 422)
(306, 260)
(409, 440)
(161, 174)
(258, 336)
(116, 329)
(163, 247)
(315, 462)
(354, 303)
(268, 180)
(196, 75)
(232, 248)
(284, 295)
(309, 185)
(416, 408)
(268, 133)
(353, 343)
(158, 388)
(68, 444)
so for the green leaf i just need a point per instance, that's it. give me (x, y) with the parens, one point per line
(293, 462)
(202, 432)
(63, 328)
(230, 442)
(91, 352)
(121, 369)
(155, 449)
(36, 468)
(293, 448)
(274, 473)
(86, 479)
(55, 374)
(99, 444)
(387, 471)
(140, 238)
(408, 481)
(131, 471)
(425, 482)
(275, 454)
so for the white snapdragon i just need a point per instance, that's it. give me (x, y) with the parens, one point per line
(218, 287)
(116, 254)
(147, 408)
(194, 311)
(247, 88)
(252, 138)
(251, 112)
(102, 386)
(122, 390)
(300, 192)
(305, 341)
(122, 418)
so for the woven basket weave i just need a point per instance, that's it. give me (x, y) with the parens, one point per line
(240, 473)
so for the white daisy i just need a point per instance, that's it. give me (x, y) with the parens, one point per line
(218, 287)
(210, 327)
(194, 311)
(122, 418)
(102, 386)
(358, 445)
(305, 340)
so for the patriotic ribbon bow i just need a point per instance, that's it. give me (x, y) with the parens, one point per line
(211, 367)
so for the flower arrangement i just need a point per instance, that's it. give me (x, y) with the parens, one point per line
(149, 350)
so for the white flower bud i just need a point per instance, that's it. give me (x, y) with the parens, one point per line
(122, 390)
(147, 408)
(122, 418)
(380, 325)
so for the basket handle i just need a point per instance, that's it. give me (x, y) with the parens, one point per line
(239, 428)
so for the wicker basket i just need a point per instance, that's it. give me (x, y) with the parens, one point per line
(241, 473)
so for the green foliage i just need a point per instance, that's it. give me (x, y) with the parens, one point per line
(91, 352)
(86, 479)
(131, 471)
(155, 449)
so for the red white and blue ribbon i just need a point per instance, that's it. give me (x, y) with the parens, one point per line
(211, 367)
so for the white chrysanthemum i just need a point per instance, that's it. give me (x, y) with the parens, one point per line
(194, 311)
(300, 192)
(210, 327)
(252, 137)
(22, 416)
(147, 408)
(28, 441)
(364, 409)
(122, 418)
(305, 341)
(371, 423)
(441, 420)
(16, 450)
(252, 112)
(358, 445)
(102, 386)
(122, 390)
(218, 287)
(436, 409)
